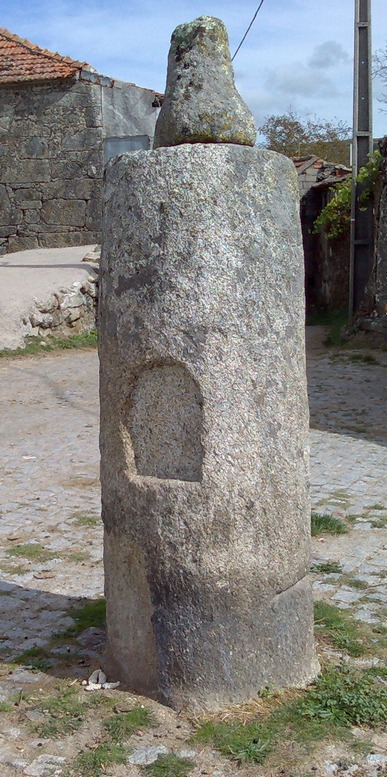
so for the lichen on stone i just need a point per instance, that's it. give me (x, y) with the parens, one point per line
(202, 104)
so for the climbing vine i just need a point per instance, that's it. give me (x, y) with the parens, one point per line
(335, 218)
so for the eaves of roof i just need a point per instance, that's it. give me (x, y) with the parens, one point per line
(21, 60)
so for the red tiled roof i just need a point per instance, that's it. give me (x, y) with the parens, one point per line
(21, 60)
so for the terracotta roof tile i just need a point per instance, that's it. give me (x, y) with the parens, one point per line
(21, 60)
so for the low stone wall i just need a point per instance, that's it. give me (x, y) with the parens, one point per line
(66, 312)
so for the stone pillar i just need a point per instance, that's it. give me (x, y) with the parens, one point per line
(204, 425)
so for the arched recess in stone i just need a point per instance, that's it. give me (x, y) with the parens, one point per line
(165, 423)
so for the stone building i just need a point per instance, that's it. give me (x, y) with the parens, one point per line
(60, 121)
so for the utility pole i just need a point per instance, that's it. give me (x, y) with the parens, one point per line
(361, 247)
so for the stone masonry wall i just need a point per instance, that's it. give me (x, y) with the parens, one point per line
(66, 312)
(51, 165)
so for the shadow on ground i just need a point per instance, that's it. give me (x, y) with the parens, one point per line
(347, 389)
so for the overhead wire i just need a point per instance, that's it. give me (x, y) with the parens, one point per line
(248, 30)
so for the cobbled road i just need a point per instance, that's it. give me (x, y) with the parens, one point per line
(50, 530)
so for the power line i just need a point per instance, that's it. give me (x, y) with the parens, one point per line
(248, 30)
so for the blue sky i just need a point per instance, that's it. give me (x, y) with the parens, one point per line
(299, 53)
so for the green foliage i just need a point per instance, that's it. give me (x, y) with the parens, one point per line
(296, 137)
(36, 345)
(368, 176)
(169, 765)
(323, 523)
(335, 218)
(340, 698)
(348, 698)
(344, 632)
(123, 724)
(93, 763)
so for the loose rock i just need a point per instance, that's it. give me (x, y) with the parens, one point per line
(201, 104)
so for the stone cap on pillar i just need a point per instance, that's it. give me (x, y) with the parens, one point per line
(202, 104)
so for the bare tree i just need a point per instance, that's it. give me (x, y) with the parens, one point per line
(379, 70)
(291, 135)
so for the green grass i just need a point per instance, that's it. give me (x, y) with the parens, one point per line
(348, 697)
(169, 765)
(34, 658)
(352, 582)
(33, 345)
(327, 568)
(365, 358)
(323, 523)
(91, 614)
(64, 713)
(376, 506)
(343, 631)
(340, 698)
(32, 551)
(77, 556)
(86, 519)
(338, 319)
(13, 569)
(123, 724)
(5, 707)
(95, 763)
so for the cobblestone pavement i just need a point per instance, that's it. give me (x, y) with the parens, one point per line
(50, 532)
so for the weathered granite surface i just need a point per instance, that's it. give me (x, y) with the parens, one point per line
(201, 103)
(204, 425)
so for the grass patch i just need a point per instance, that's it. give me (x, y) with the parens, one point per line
(77, 556)
(338, 319)
(352, 582)
(94, 763)
(32, 551)
(340, 698)
(123, 724)
(64, 713)
(327, 568)
(5, 707)
(13, 569)
(342, 631)
(377, 506)
(364, 358)
(36, 345)
(34, 658)
(169, 765)
(91, 614)
(348, 697)
(323, 523)
(86, 519)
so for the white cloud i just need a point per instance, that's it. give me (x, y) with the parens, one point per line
(297, 79)
(327, 54)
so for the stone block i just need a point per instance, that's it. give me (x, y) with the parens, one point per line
(26, 170)
(60, 239)
(22, 242)
(64, 212)
(204, 425)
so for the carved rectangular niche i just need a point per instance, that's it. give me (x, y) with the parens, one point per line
(165, 424)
